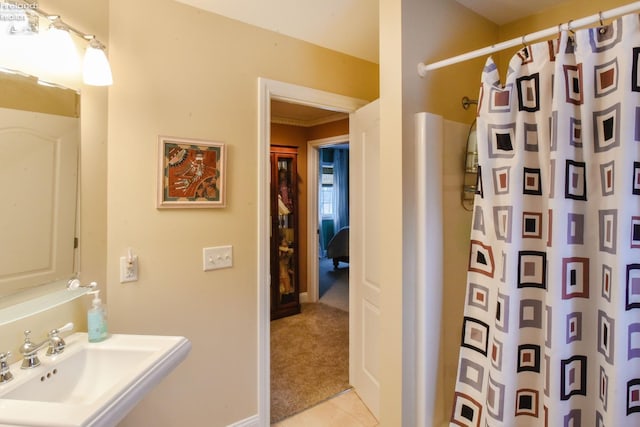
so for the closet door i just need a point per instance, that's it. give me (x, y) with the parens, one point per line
(285, 287)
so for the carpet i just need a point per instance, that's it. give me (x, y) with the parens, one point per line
(309, 358)
(333, 284)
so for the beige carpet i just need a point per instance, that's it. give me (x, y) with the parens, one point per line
(309, 358)
(334, 284)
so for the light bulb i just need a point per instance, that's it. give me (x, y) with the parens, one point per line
(59, 50)
(96, 69)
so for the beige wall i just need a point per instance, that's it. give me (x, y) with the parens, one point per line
(552, 16)
(328, 130)
(183, 72)
(560, 13)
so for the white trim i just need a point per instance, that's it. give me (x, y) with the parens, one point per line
(264, 231)
(308, 123)
(313, 146)
(247, 422)
(304, 297)
(267, 90)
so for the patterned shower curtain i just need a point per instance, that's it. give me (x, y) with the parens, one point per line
(551, 329)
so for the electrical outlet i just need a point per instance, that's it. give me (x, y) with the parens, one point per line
(217, 257)
(128, 269)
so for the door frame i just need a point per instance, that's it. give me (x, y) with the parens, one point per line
(313, 150)
(268, 90)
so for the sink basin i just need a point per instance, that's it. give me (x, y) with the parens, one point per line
(90, 384)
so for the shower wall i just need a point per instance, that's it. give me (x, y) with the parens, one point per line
(456, 229)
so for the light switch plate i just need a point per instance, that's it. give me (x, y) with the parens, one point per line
(217, 257)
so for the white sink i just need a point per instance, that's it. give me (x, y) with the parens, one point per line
(90, 384)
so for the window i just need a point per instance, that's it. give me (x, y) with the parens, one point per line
(326, 193)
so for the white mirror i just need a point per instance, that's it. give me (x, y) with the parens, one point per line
(39, 142)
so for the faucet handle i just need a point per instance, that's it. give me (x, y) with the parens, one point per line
(66, 328)
(27, 338)
(5, 373)
(56, 343)
(4, 358)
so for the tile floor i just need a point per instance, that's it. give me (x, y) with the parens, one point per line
(344, 410)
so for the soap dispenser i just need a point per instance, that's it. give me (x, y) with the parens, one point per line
(96, 319)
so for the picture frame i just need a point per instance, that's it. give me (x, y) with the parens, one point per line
(191, 173)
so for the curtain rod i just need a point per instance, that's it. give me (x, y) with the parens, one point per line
(571, 25)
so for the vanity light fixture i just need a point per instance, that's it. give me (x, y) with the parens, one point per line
(61, 48)
(58, 48)
(96, 70)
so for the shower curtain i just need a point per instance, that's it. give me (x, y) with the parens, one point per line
(551, 328)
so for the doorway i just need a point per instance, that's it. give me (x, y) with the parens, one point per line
(271, 90)
(328, 177)
(309, 345)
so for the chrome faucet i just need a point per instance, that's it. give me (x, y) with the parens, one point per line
(5, 373)
(29, 350)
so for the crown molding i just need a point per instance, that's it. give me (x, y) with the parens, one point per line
(308, 123)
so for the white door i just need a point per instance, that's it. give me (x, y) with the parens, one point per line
(364, 256)
(37, 183)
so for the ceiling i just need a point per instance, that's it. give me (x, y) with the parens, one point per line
(347, 26)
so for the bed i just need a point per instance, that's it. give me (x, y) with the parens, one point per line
(338, 247)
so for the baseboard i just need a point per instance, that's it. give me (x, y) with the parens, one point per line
(253, 421)
(304, 297)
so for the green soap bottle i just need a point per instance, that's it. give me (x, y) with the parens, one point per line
(96, 319)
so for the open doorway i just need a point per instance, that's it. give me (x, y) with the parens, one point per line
(272, 90)
(330, 180)
(309, 364)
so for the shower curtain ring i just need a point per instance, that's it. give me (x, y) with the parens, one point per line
(525, 48)
(571, 38)
(602, 28)
(559, 34)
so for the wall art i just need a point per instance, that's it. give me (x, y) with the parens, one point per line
(191, 173)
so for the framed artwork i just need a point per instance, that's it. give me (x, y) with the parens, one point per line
(191, 173)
